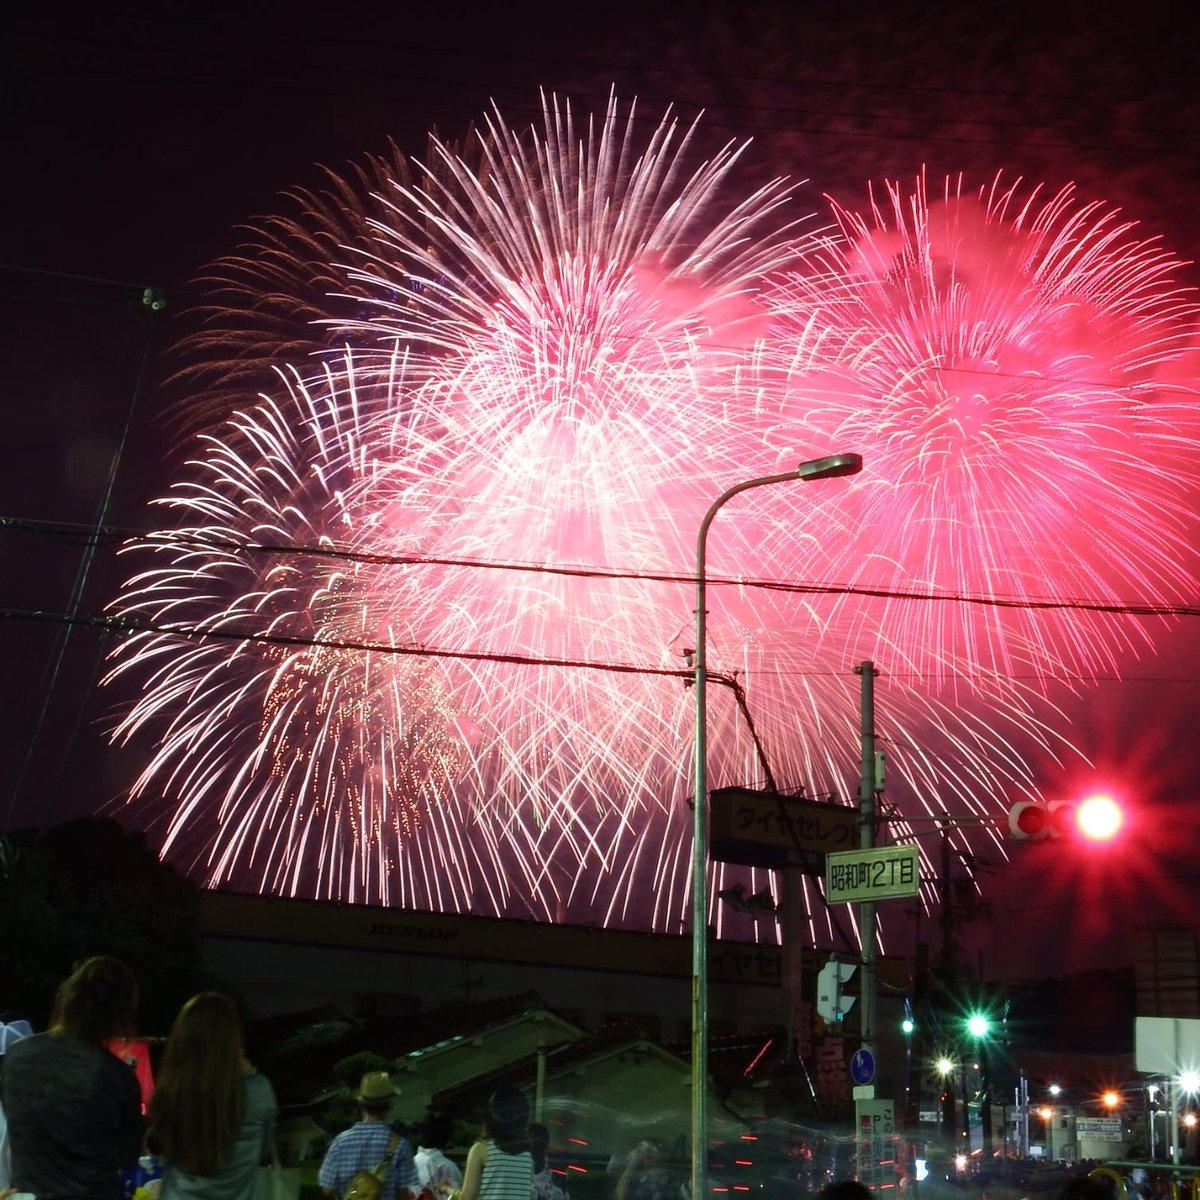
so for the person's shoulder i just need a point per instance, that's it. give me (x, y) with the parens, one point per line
(340, 1139)
(256, 1081)
(259, 1093)
(26, 1048)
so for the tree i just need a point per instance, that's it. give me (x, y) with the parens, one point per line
(91, 887)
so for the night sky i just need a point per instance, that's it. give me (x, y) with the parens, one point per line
(140, 136)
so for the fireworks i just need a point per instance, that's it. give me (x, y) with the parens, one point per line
(1022, 377)
(538, 365)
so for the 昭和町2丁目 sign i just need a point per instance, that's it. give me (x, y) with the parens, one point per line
(877, 874)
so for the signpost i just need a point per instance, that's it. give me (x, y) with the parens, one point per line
(862, 1067)
(1098, 1129)
(766, 829)
(875, 1138)
(879, 873)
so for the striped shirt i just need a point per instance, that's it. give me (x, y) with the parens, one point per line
(505, 1176)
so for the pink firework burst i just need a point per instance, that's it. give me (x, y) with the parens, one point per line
(1022, 375)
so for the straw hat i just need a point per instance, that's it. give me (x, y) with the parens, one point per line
(377, 1085)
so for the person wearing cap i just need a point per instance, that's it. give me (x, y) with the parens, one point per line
(499, 1165)
(13, 1032)
(74, 1109)
(365, 1144)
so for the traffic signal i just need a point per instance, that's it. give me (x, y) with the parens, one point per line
(832, 1002)
(1036, 820)
(1096, 818)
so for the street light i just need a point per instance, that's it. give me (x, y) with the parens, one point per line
(979, 1025)
(1047, 1115)
(817, 468)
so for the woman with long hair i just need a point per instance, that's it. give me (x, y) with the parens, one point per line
(212, 1115)
(500, 1164)
(74, 1109)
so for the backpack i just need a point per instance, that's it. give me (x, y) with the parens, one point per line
(368, 1185)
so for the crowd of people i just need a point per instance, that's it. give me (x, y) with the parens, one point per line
(74, 1118)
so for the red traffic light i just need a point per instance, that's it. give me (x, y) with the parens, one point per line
(1097, 818)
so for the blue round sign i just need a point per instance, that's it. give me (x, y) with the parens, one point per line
(862, 1066)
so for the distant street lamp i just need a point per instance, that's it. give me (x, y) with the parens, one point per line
(944, 1066)
(1047, 1115)
(978, 1025)
(817, 468)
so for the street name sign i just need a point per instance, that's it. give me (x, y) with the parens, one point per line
(877, 874)
(766, 829)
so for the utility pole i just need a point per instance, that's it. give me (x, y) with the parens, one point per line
(947, 898)
(868, 783)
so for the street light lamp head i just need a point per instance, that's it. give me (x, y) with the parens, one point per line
(830, 467)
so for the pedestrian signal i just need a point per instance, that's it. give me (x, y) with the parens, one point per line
(832, 1002)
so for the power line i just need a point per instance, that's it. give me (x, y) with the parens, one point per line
(202, 541)
(130, 625)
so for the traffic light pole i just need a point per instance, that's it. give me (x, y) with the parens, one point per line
(869, 982)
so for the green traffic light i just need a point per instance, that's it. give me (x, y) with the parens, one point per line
(978, 1025)
(907, 1025)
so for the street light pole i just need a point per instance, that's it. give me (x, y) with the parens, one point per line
(819, 468)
